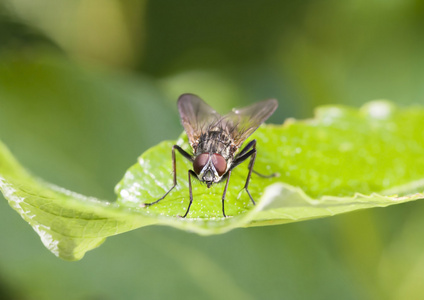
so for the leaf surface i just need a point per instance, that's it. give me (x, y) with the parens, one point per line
(342, 160)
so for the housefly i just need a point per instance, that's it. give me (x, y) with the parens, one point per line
(215, 141)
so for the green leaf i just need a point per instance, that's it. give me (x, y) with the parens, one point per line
(69, 224)
(342, 160)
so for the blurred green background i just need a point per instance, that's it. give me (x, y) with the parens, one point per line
(87, 86)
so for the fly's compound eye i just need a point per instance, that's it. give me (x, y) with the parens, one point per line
(200, 162)
(219, 163)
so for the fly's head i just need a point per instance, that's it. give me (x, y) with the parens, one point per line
(210, 168)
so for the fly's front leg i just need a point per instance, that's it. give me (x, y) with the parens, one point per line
(252, 144)
(190, 173)
(225, 193)
(174, 171)
(251, 163)
(241, 157)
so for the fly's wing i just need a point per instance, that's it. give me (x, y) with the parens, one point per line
(196, 116)
(241, 123)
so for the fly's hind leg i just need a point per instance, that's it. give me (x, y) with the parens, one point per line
(174, 172)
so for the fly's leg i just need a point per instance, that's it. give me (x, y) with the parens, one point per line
(174, 172)
(252, 144)
(247, 147)
(241, 157)
(251, 163)
(265, 176)
(190, 173)
(239, 160)
(225, 192)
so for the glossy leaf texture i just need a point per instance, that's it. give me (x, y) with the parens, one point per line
(69, 224)
(342, 160)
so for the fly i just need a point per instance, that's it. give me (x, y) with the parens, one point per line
(215, 141)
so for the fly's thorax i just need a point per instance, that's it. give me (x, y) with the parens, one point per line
(218, 141)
